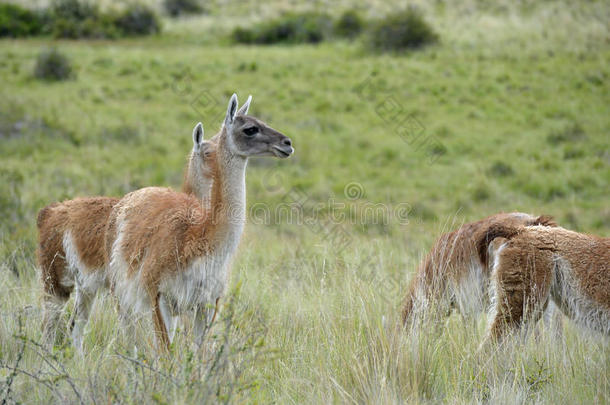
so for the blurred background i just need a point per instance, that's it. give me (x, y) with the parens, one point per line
(463, 109)
(407, 120)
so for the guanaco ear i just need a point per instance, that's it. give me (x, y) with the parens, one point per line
(197, 136)
(243, 110)
(231, 110)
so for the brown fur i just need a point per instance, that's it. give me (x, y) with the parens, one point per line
(86, 219)
(506, 230)
(534, 264)
(159, 327)
(171, 216)
(453, 255)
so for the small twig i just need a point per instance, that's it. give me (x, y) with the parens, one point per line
(62, 370)
(42, 381)
(11, 377)
(143, 365)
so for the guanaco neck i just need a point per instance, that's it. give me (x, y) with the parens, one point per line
(228, 197)
(197, 177)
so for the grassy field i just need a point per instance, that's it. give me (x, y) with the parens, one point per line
(510, 111)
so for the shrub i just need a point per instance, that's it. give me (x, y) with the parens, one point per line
(571, 152)
(401, 31)
(243, 35)
(349, 25)
(82, 19)
(78, 10)
(78, 19)
(291, 28)
(100, 28)
(481, 193)
(16, 21)
(52, 65)
(571, 133)
(501, 169)
(137, 19)
(179, 7)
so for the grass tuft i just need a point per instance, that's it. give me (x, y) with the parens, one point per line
(52, 65)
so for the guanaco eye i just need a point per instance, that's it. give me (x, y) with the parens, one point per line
(251, 131)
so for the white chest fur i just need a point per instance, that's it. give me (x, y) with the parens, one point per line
(205, 279)
(201, 283)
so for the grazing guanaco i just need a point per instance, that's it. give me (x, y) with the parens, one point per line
(533, 265)
(452, 274)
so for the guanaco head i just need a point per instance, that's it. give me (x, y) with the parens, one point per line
(248, 136)
(199, 175)
(202, 149)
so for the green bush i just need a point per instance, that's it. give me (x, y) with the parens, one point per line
(79, 19)
(573, 132)
(137, 19)
(290, 29)
(88, 28)
(52, 65)
(501, 169)
(179, 7)
(402, 31)
(243, 35)
(79, 10)
(349, 25)
(83, 19)
(16, 21)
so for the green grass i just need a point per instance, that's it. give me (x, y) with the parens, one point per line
(515, 101)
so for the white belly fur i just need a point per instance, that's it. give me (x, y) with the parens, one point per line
(200, 284)
(89, 280)
(567, 294)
